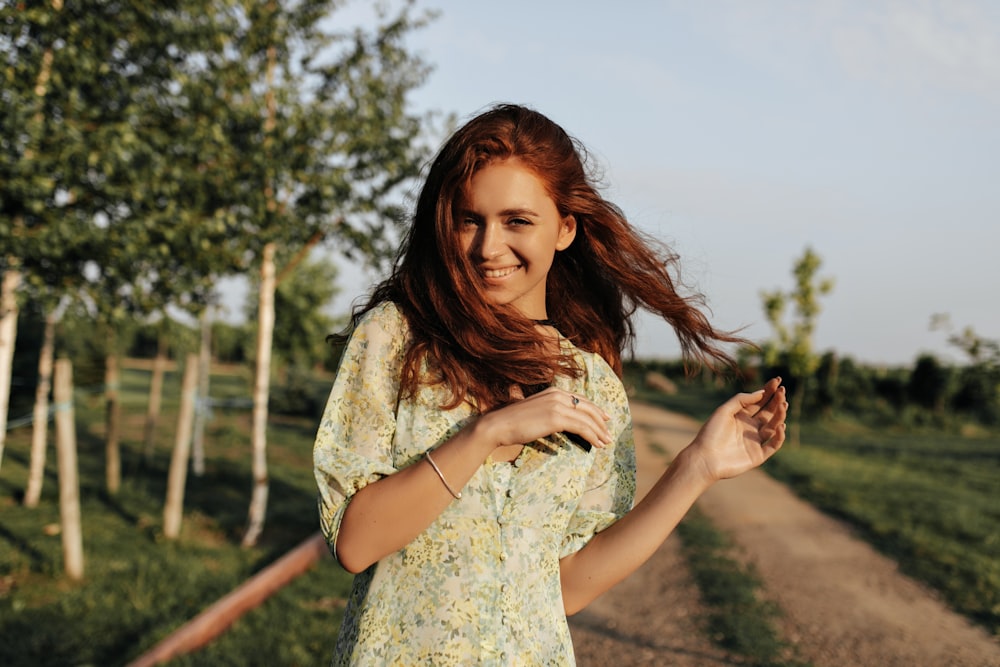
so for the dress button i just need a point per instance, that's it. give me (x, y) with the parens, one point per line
(503, 555)
(504, 588)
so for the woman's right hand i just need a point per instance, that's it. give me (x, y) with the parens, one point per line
(542, 414)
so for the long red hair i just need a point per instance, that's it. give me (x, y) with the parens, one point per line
(479, 349)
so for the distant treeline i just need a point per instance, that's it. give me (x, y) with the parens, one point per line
(930, 393)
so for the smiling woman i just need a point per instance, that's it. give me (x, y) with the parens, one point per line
(475, 462)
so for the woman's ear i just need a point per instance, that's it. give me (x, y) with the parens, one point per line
(566, 233)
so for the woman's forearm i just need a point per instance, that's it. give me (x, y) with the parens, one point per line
(388, 514)
(740, 435)
(619, 550)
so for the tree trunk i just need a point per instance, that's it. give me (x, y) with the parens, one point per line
(173, 510)
(8, 333)
(69, 484)
(795, 412)
(36, 469)
(202, 407)
(155, 397)
(112, 451)
(12, 276)
(262, 377)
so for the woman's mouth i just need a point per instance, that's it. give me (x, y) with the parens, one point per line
(496, 274)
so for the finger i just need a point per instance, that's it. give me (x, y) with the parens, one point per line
(581, 402)
(574, 414)
(773, 444)
(777, 417)
(775, 427)
(748, 400)
(588, 421)
(591, 428)
(771, 389)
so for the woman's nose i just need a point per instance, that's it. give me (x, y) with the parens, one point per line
(490, 241)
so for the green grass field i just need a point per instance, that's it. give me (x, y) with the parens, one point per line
(930, 501)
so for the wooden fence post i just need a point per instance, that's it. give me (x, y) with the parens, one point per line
(69, 484)
(173, 510)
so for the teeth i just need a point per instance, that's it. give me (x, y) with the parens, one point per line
(499, 273)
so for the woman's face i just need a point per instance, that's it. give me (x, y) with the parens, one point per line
(510, 229)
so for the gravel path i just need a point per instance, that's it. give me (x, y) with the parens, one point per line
(844, 603)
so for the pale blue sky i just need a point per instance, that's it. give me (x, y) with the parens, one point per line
(741, 132)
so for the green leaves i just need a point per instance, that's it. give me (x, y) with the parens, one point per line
(163, 144)
(792, 344)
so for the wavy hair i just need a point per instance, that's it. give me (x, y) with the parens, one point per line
(479, 349)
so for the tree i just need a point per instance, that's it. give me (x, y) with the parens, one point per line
(26, 84)
(81, 85)
(792, 346)
(978, 389)
(177, 142)
(335, 146)
(301, 298)
(928, 384)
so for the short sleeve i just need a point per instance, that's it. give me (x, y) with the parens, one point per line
(610, 487)
(353, 445)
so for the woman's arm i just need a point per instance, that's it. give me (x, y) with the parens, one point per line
(388, 514)
(741, 434)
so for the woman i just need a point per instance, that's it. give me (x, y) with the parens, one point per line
(475, 462)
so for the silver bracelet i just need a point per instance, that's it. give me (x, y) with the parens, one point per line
(456, 496)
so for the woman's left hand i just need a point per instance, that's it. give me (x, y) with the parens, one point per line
(742, 433)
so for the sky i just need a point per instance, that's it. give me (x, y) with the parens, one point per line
(741, 133)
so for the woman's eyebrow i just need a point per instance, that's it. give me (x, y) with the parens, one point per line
(509, 212)
(506, 213)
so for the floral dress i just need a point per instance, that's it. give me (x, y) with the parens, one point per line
(480, 586)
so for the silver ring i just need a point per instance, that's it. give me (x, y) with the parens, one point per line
(576, 401)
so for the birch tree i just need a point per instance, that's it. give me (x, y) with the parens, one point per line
(337, 147)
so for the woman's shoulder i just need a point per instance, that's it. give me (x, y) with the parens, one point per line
(384, 324)
(592, 361)
(598, 371)
(385, 315)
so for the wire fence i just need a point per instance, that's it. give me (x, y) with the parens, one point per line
(202, 406)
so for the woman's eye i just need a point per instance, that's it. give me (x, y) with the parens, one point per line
(518, 221)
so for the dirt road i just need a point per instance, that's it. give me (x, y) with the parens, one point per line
(843, 603)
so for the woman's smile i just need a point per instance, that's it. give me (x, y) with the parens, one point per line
(498, 274)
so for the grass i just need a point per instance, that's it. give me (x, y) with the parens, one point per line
(138, 587)
(739, 619)
(929, 501)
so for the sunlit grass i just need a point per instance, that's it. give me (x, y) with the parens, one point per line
(928, 501)
(739, 618)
